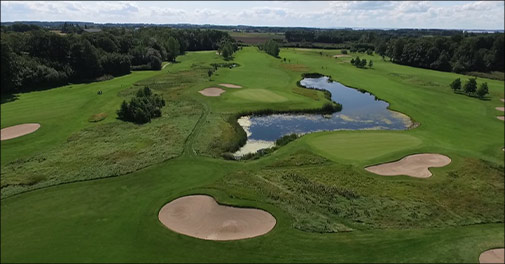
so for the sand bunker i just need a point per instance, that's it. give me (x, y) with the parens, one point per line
(413, 165)
(18, 130)
(202, 217)
(212, 91)
(340, 56)
(501, 118)
(492, 256)
(229, 85)
(500, 108)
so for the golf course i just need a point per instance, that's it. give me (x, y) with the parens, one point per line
(84, 186)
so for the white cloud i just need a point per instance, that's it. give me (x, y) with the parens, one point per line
(420, 14)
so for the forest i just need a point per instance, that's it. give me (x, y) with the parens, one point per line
(36, 58)
(444, 50)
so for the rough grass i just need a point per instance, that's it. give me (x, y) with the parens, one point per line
(97, 117)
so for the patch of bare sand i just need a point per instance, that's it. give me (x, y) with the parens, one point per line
(500, 108)
(341, 56)
(413, 165)
(229, 85)
(501, 118)
(492, 256)
(503, 99)
(202, 217)
(212, 91)
(18, 130)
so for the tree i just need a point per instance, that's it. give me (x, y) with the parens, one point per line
(370, 64)
(483, 90)
(174, 49)
(363, 63)
(227, 50)
(456, 85)
(271, 47)
(470, 86)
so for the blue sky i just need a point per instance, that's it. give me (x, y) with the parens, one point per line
(368, 14)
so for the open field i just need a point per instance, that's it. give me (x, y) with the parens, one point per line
(328, 208)
(255, 38)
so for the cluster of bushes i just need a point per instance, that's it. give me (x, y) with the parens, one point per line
(470, 87)
(35, 58)
(142, 108)
(271, 47)
(361, 63)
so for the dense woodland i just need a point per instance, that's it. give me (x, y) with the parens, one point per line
(36, 58)
(445, 50)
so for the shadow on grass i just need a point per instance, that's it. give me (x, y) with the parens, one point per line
(5, 98)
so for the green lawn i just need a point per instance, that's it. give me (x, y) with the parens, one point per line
(328, 208)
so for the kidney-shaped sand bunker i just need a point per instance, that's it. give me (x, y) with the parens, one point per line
(492, 256)
(413, 165)
(202, 217)
(18, 130)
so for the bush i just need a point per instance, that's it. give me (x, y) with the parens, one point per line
(329, 108)
(142, 108)
(286, 139)
(456, 85)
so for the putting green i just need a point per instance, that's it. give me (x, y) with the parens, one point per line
(260, 95)
(359, 145)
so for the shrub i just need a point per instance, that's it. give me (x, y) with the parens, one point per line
(286, 139)
(144, 106)
(456, 85)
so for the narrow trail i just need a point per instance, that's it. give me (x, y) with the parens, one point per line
(188, 150)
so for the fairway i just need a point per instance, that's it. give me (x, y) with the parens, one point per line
(81, 191)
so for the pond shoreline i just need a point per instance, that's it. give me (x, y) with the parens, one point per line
(305, 121)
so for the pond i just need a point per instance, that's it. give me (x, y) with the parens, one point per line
(360, 111)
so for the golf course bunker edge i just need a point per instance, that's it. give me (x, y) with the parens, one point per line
(18, 130)
(212, 91)
(229, 85)
(416, 165)
(200, 216)
(492, 256)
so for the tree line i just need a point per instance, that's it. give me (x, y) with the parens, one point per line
(35, 58)
(444, 50)
(470, 87)
(458, 53)
(270, 47)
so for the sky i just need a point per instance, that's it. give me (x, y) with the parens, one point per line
(325, 14)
